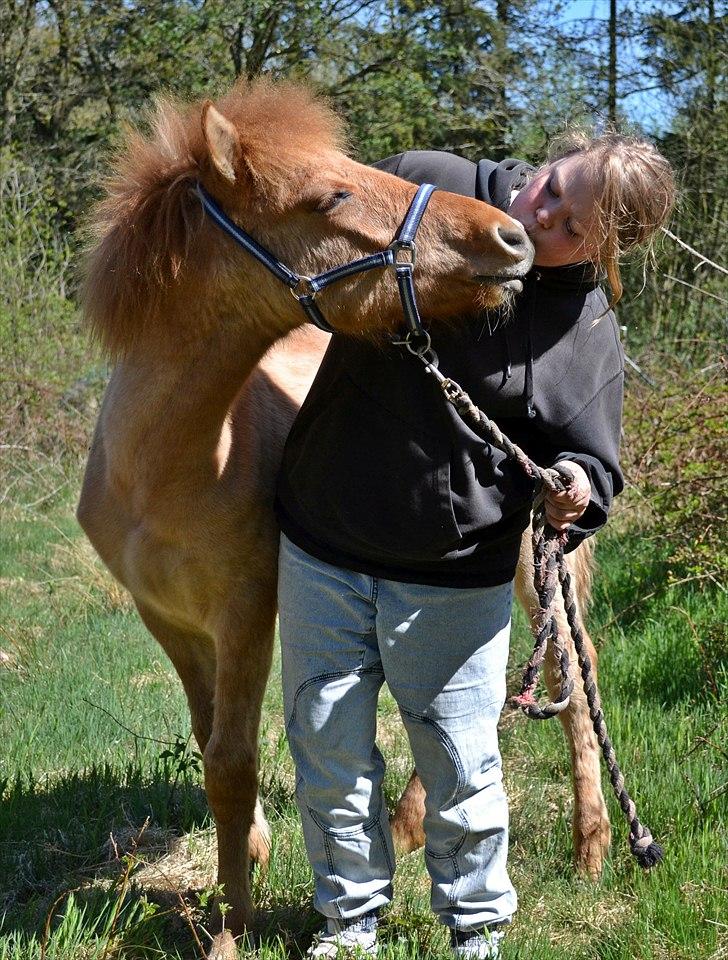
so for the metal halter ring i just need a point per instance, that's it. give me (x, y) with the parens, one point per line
(308, 289)
(421, 348)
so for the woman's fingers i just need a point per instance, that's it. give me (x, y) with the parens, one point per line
(563, 509)
(561, 519)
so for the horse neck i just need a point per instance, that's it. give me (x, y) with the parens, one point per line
(166, 418)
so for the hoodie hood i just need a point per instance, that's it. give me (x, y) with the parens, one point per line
(494, 184)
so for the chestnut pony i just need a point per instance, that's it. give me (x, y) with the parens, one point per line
(210, 372)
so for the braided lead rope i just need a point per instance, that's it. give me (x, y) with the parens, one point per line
(646, 851)
(546, 580)
(549, 570)
(545, 629)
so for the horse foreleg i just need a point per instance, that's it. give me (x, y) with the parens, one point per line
(244, 647)
(193, 658)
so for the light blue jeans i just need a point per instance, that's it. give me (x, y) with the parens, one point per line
(443, 653)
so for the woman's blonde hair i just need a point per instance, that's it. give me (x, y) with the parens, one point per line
(635, 193)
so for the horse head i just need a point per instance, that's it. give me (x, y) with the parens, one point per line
(272, 156)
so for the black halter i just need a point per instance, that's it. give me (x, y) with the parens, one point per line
(400, 255)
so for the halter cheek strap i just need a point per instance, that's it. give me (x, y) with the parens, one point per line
(400, 255)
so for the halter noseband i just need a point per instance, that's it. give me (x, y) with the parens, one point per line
(400, 255)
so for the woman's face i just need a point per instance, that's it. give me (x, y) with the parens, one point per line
(558, 210)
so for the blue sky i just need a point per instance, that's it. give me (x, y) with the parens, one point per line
(651, 110)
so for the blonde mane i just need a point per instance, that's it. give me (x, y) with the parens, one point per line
(145, 228)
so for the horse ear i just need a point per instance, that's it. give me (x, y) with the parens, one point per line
(222, 141)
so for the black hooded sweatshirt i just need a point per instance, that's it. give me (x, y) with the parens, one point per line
(379, 473)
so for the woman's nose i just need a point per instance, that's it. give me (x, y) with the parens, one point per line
(543, 217)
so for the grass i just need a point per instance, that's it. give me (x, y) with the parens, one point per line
(106, 845)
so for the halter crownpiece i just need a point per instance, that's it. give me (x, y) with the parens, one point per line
(401, 255)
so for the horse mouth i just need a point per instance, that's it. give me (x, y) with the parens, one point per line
(511, 284)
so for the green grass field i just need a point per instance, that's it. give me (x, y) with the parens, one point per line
(106, 846)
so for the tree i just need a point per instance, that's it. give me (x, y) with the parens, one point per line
(682, 58)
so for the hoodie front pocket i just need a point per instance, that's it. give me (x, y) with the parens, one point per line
(366, 482)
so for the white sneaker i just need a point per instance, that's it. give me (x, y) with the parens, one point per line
(476, 945)
(353, 938)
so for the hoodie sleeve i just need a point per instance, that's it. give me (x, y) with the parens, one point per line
(495, 182)
(592, 440)
(486, 180)
(390, 164)
(576, 386)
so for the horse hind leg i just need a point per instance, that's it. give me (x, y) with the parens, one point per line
(590, 823)
(407, 822)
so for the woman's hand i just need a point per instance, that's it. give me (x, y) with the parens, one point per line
(565, 508)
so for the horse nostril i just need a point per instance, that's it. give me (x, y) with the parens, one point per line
(515, 240)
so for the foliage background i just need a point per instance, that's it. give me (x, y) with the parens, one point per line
(479, 77)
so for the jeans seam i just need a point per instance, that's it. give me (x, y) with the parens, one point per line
(452, 899)
(449, 745)
(371, 822)
(334, 875)
(331, 675)
(385, 848)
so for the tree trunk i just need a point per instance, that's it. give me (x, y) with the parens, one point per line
(612, 68)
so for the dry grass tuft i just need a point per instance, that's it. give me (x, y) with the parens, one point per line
(175, 863)
(8, 661)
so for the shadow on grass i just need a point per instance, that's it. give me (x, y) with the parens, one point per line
(65, 832)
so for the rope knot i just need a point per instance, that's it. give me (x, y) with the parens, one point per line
(646, 852)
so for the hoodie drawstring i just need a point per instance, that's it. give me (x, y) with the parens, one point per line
(528, 378)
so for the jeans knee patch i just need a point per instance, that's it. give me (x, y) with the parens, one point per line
(324, 678)
(347, 850)
(344, 833)
(349, 847)
(448, 746)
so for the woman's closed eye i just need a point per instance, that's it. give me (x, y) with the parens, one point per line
(552, 190)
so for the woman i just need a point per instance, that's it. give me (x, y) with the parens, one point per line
(401, 533)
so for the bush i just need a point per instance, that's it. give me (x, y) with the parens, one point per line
(42, 344)
(674, 455)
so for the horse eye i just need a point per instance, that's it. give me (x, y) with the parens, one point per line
(332, 200)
